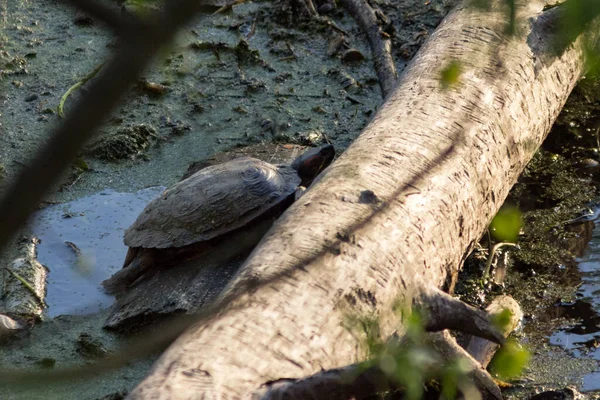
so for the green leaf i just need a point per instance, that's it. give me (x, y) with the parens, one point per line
(510, 360)
(502, 319)
(506, 225)
(81, 164)
(451, 74)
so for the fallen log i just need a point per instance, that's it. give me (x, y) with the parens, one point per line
(392, 220)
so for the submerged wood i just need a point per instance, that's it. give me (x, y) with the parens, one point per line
(393, 217)
(24, 288)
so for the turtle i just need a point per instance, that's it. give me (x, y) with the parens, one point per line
(233, 203)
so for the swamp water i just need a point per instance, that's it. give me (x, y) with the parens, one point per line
(81, 243)
(582, 338)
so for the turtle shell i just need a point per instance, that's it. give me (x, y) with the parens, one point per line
(211, 203)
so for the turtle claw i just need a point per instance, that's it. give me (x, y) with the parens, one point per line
(300, 190)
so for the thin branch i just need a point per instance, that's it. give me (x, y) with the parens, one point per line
(443, 311)
(370, 20)
(83, 81)
(28, 286)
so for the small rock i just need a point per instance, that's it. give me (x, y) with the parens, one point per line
(31, 97)
(46, 362)
(563, 394)
(319, 110)
(154, 89)
(352, 55)
(241, 110)
(89, 347)
(82, 19)
(267, 125)
(8, 326)
(589, 163)
(326, 7)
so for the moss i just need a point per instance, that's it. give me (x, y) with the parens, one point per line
(550, 193)
(12, 65)
(247, 56)
(127, 142)
(575, 132)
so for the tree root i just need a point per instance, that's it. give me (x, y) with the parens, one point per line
(443, 311)
(448, 349)
(366, 379)
(376, 26)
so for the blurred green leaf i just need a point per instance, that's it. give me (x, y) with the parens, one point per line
(506, 224)
(592, 59)
(451, 74)
(81, 164)
(510, 360)
(575, 17)
(484, 5)
(454, 373)
(503, 319)
(511, 26)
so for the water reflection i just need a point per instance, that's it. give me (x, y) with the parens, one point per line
(82, 244)
(583, 338)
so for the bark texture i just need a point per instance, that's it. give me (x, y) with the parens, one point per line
(393, 217)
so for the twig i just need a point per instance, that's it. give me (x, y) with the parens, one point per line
(370, 20)
(229, 6)
(488, 263)
(76, 86)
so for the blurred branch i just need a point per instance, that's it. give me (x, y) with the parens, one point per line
(109, 15)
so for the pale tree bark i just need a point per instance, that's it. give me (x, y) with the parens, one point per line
(392, 219)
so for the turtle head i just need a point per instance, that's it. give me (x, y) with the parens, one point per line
(310, 163)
